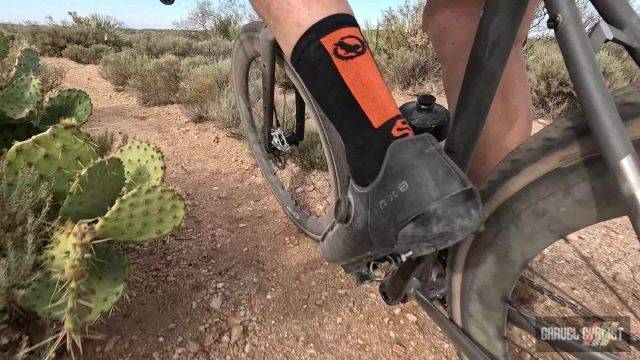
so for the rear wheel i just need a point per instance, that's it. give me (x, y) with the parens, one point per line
(540, 251)
(307, 177)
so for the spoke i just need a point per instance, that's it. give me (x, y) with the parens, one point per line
(522, 348)
(284, 108)
(566, 301)
(591, 267)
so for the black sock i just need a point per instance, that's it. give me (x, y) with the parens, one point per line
(337, 67)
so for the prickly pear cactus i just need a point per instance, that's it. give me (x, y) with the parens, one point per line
(5, 45)
(19, 99)
(143, 164)
(145, 213)
(83, 276)
(27, 63)
(57, 155)
(94, 190)
(12, 133)
(67, 104)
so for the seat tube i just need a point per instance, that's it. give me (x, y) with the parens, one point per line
(596, 100)
(491, 48)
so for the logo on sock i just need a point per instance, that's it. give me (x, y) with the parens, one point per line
(401, 129)
(360, 74)
(349, 47)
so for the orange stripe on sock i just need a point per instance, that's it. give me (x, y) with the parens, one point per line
(357, 67)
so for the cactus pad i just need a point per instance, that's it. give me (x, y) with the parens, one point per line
(145, 213)
(70, 103)
(5, 45)
(19, 98)
(105, 284)
(27, 63)
(11, 133)
(44, 296)
(57, 155)
(94, 191)
(68, 255)
(143, 164)
(101, 289)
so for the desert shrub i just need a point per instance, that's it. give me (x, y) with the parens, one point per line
(407, 68)
(119, 68)
(193, 62)
(104, 142)
(86, 55)
(24, 225)
(157, 81)
(216, 48)
(157, 45)
(404, 52)
(207, 94)
(310, 153)
(51, 40)
(553, 93)
(51, 76)
(202, 92)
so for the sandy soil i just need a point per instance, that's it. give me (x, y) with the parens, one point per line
(238, 280)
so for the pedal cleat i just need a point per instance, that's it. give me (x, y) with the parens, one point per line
(421, 202)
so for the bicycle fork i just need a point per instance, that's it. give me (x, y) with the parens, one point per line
(601, 112)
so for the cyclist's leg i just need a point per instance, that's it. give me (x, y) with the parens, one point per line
(326, 47)
(289, 19)
(419, 200)
(452, 24)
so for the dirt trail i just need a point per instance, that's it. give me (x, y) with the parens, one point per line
(278, 295)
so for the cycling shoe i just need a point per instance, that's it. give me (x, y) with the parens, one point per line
(420, 202)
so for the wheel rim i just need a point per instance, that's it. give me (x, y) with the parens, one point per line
(304, 179)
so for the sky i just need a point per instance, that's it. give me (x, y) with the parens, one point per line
(138, 13)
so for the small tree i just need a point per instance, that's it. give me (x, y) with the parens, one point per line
(222, 17)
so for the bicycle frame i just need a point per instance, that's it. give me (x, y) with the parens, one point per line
(493, 43)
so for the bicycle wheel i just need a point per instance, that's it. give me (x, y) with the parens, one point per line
(306, 178)
(541, 204)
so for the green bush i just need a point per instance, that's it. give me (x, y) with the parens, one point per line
(216, 48)
(86, 55)
(51, 40)
(119, 68)
(553, 93)
(407, 68)
(207, 94)
(157, 81)
(189, 63)
(404, 52)
(157, 45)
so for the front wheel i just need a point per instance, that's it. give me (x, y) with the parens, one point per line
(541, 251)
(306, 177)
